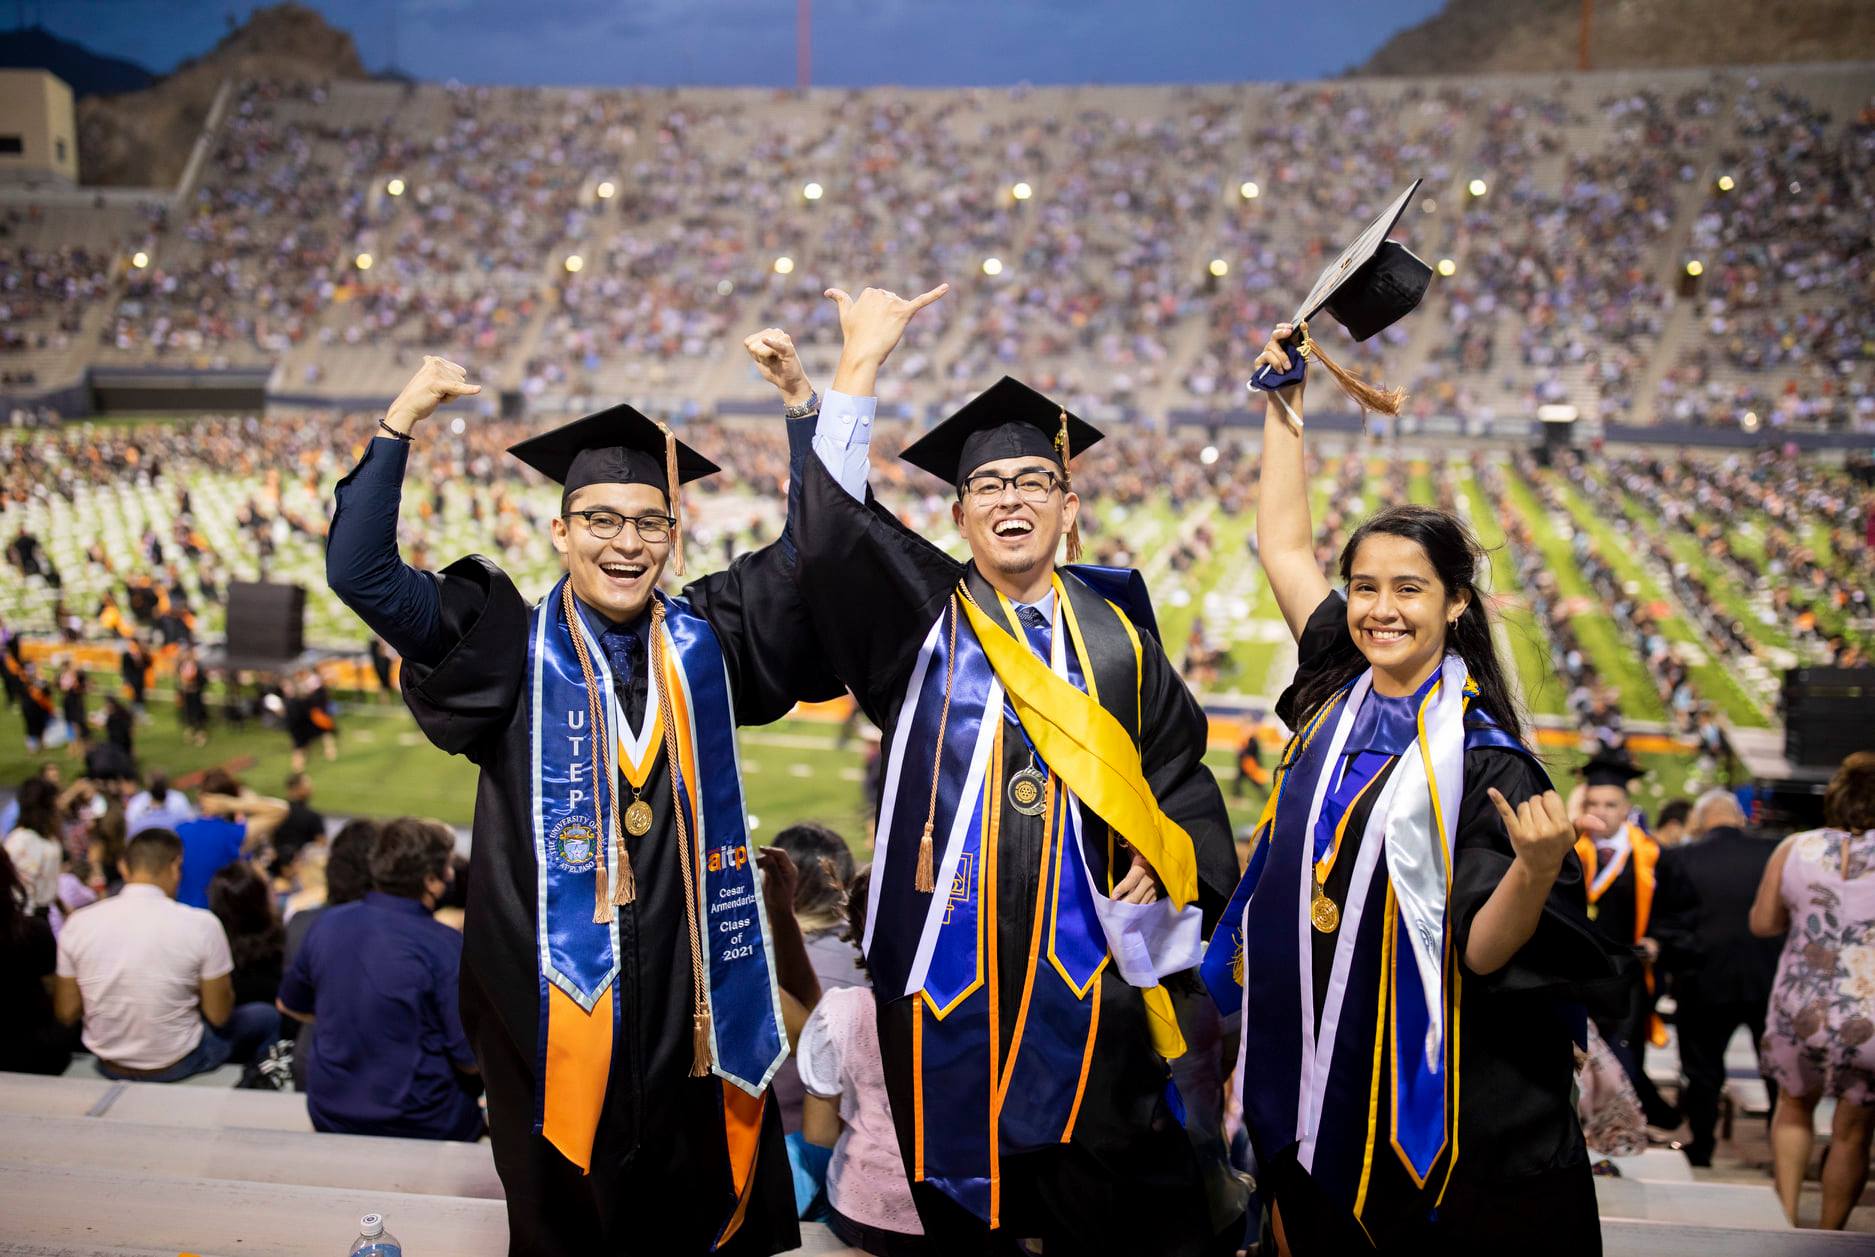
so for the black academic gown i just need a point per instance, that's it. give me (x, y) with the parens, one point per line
(660, 1180)
(1128, 1182)
(1521, 1182)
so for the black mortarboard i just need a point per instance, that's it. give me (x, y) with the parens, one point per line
(1375, 282)
(617, 446)
(1611, 768)
(1006, 420)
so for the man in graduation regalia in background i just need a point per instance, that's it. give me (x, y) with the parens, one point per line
(1618, 869)
(1050, 845)
(618, 973)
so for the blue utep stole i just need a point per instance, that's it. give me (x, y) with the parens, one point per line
(941, 947)
(573, 816)
(1422, 1102)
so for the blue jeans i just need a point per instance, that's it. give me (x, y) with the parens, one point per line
(246, 1034)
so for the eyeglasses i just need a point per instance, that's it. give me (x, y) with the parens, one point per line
(606, 525)
(1031, 486)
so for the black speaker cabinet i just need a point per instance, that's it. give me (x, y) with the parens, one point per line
(1829, 714)
(266, 621)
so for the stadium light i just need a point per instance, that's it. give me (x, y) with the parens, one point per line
(812, 192)
(1695, 268)
(1219, 268)
(1477, 187)
(606, 190)
(1208, 455)
(725, 286)
(1750, 421)
(1248, 190)
(1428, 206)
(1727, 183)
(1556, 412)
(784, 265)
(992, 266)
(395, 187)
(1447, 267)
(457, 426)
(1022, 192)
(139, 259)
(574, 263)
(362, 261)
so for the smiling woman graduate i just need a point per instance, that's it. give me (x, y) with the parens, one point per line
(1408, 944)
(618, 973)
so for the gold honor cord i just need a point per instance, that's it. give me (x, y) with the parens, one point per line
(700, 1024)
(924, 878)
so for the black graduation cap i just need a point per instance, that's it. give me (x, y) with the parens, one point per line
(1611, 768)
(1375, 282)
(1006, 420)
(617, 446)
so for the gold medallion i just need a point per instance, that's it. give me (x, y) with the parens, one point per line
(638, 818)
(1323, 914)
(1025, 792)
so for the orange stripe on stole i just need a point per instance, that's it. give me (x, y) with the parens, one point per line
(742, 1134)
(579, 1060)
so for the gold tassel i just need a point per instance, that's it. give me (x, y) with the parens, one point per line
(673, 490)
(1067, 486)
(624, 883)
(925, 880)
(1369, 397)
(700, 1034)
(602, 913)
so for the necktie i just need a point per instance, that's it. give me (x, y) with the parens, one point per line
(624, 648)
(1036, 626)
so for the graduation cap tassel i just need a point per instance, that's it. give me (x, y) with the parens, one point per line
(1067, 487)
(924, 878)
(673, 489)
(624, 881)
(1369, 397)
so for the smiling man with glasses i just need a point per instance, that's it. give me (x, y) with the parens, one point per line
(1050, 846)
(618, 978)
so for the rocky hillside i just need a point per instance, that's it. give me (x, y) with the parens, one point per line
(142, 139)
(1541, 36)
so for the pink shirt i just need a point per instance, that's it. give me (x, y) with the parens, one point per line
(839, 1060)
(140, 959)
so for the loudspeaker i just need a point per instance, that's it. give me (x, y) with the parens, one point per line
(1826, 714)
(266, 621)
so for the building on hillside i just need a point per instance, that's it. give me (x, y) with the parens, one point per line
(38, 128)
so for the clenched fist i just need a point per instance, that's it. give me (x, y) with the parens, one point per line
(437, 381)
(775, 358)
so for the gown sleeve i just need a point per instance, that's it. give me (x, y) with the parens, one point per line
(1174, 731)
(769, 644)
(1566, 956)
(1325, 646)
(873, 588)
(469, 693)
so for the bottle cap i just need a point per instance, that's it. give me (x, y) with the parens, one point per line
(371, 1225)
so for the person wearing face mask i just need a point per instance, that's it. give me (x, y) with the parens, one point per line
(1050, 846)
(617, 982)
(1409, 944)
(1619, 860)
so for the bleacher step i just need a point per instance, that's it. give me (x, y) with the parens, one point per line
(1729, 1205)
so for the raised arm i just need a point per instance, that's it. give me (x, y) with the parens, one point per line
(398, 602)
(1285, 537)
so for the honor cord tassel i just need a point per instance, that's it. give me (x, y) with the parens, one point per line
(924, 878)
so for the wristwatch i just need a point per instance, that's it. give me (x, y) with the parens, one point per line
(809, 407)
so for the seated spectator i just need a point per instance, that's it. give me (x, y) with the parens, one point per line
(149, 978)
(825, 865)
(234, 822)
(239, 898)
(847, 1110)
(302, 824)
(159, 807)
(347, 878)
(376, 980)
(33, 844)
(32, 1040)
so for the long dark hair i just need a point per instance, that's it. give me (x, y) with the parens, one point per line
(238, 897)
(1457, 559)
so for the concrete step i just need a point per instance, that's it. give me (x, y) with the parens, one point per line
(1708, 1204)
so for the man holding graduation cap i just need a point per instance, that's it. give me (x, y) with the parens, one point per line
(1050, 845)
(618, 978)
(1619, 870)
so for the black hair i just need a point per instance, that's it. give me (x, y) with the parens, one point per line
(1458, 560)
(39, 807)
(152, 851)
(858, 891)
(239, 898)
(408, 851)
(825, 866)
(1677, 810)
(348, 862)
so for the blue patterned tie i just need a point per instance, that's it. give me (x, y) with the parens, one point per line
(1036, 625)
(624, 648)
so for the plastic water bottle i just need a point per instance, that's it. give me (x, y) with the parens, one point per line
(373, 1240)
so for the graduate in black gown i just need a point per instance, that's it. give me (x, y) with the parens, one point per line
(617, 980)
(1409, 939)
(1050, 846)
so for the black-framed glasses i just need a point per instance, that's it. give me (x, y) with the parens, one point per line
(1031, 486)
(606, 525)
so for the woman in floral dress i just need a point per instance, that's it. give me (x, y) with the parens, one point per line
(1819, 1037)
